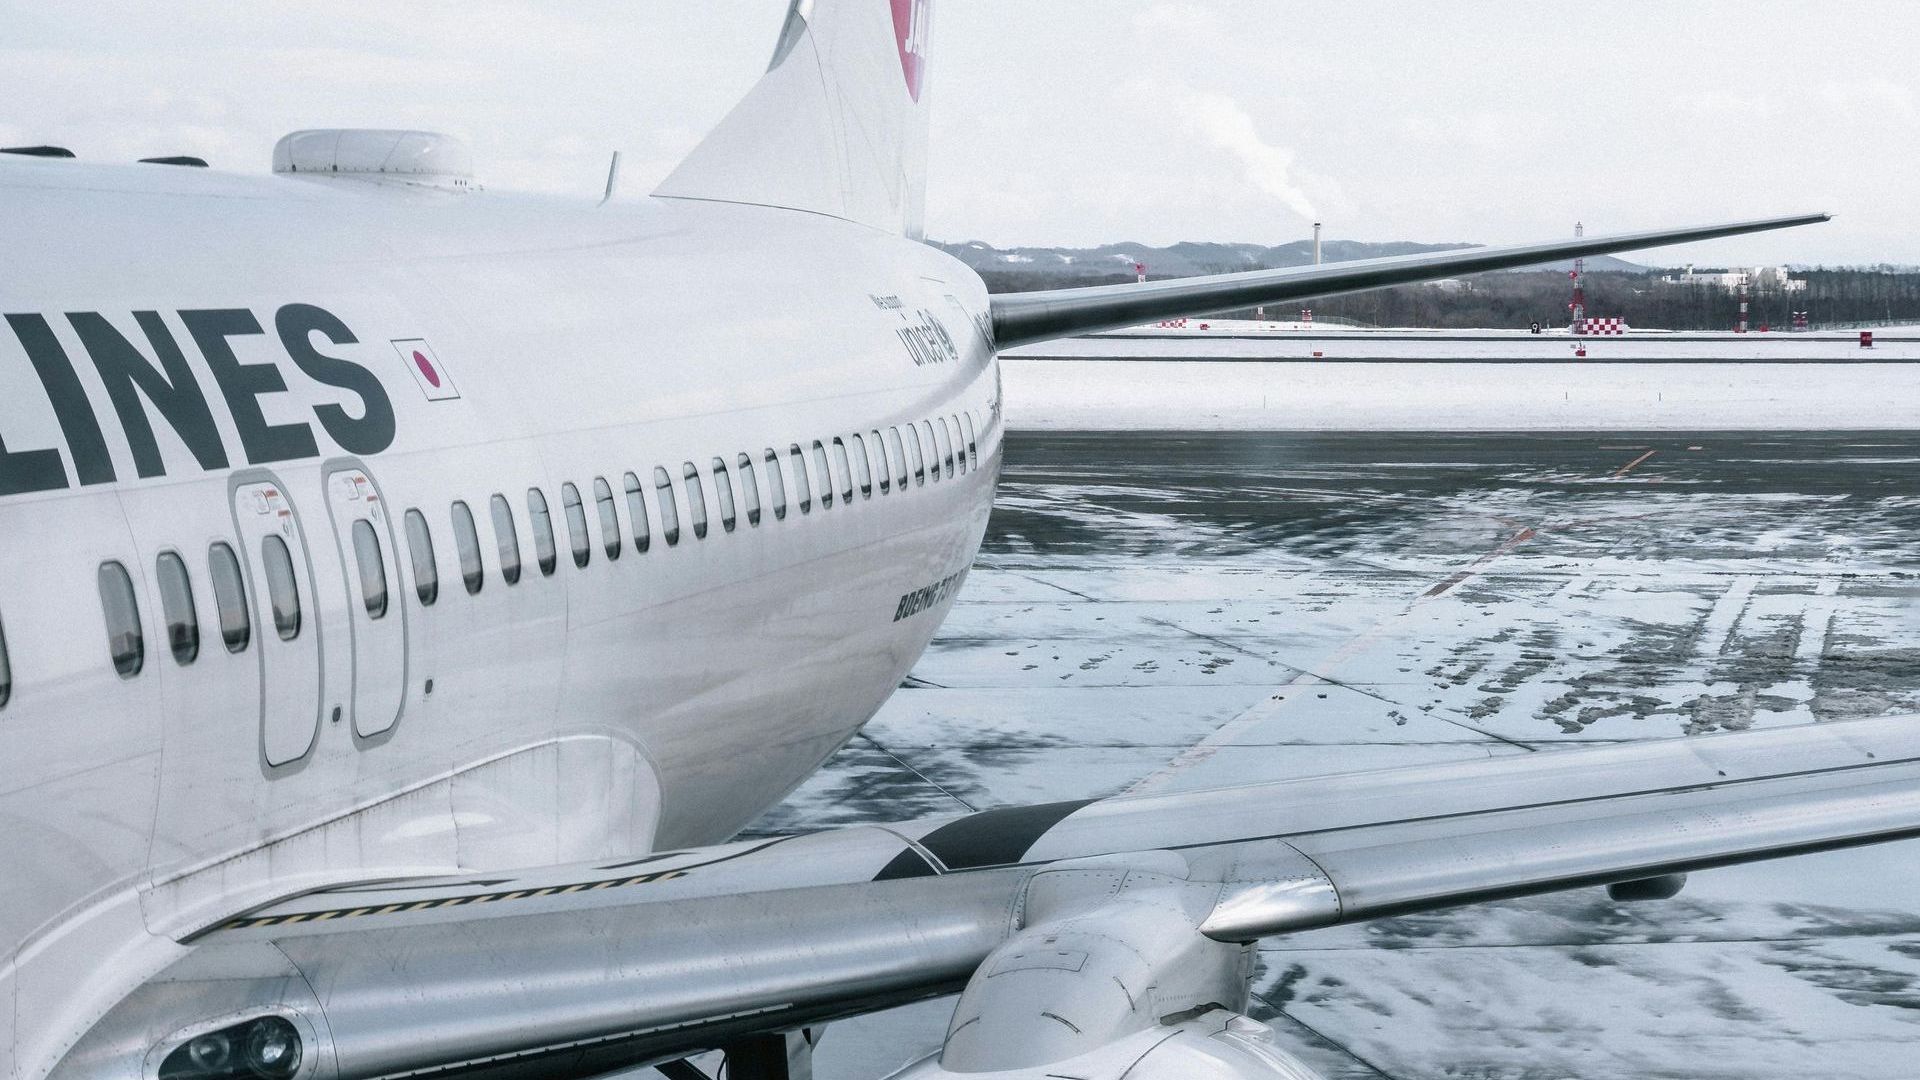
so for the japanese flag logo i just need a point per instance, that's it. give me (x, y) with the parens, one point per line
(912, 22)
(427, 371)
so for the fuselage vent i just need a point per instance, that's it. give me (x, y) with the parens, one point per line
(422, 158)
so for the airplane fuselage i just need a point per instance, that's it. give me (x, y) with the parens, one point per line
(274, 396)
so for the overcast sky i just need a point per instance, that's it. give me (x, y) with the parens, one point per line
(1086, 121)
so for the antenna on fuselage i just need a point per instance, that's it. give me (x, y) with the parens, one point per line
(613, 178)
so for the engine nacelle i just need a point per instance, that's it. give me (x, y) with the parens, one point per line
(1111, 976)
(1216, 1045)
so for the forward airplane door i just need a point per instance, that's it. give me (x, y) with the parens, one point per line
(285, 620)
(375, 609)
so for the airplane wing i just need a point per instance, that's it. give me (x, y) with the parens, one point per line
(572, 971)
(1026, 317)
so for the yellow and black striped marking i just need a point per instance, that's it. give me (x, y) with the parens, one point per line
(247, 922)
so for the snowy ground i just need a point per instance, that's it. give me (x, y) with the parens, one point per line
(1431, 381)
(1300, 603)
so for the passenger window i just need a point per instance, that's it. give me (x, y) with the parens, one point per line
(823, 478)
(230, 596)
(544, 550)
(880, 462)
(125, 643)
(723, 492)
(841, 471)
(933, 450)
(176, 607)
(776, 485)
(466, 540)
(696, 499)
(506, 540)
(373, 567)
(669, 513)
(576, 524)
(749, 489)
(6, 670)
(946, 446)
(801, 489)
(426, 572)
(283, 588)
(862, 468)
(609, 517)
(899, 455)
(913, 447)
(959, 445)
(973, 445)
(637, 510)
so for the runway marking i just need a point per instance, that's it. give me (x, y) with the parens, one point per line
(1717, 631)
(1525, 534)
(1321, 674)
(1623, 470)
(1816, 622)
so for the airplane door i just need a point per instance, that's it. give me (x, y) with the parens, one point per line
(375, 609)
(285, 618)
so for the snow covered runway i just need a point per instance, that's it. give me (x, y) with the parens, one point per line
(1194, 609)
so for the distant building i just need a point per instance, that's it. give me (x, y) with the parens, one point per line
(1757, 278)
(1450, 285)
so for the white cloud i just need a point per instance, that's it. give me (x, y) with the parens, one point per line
(1227, 127)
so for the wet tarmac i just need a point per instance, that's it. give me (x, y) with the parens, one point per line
(1174, 610)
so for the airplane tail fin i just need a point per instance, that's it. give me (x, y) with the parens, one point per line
(837, 126)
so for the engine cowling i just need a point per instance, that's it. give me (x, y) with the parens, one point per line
(1216, 1045)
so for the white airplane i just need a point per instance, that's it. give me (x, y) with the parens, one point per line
(408, 590)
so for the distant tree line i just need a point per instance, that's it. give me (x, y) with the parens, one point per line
(1833, 297)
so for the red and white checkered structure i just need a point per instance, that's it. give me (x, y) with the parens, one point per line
(1593, 327)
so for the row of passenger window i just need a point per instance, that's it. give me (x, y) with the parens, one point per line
(126, 643)
(926, 452)
(945, 446)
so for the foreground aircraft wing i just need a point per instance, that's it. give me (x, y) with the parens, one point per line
(569, 971)
(1026, 317)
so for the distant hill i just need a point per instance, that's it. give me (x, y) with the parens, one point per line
(1191, 258)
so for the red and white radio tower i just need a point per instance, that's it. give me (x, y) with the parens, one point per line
(1577, 308)
(1741, 326)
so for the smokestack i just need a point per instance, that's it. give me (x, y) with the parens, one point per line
(1316, 243)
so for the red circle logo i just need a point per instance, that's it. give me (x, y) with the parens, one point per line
(910, 28)
(426, 368)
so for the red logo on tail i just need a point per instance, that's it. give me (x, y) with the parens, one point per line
(910, 29)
